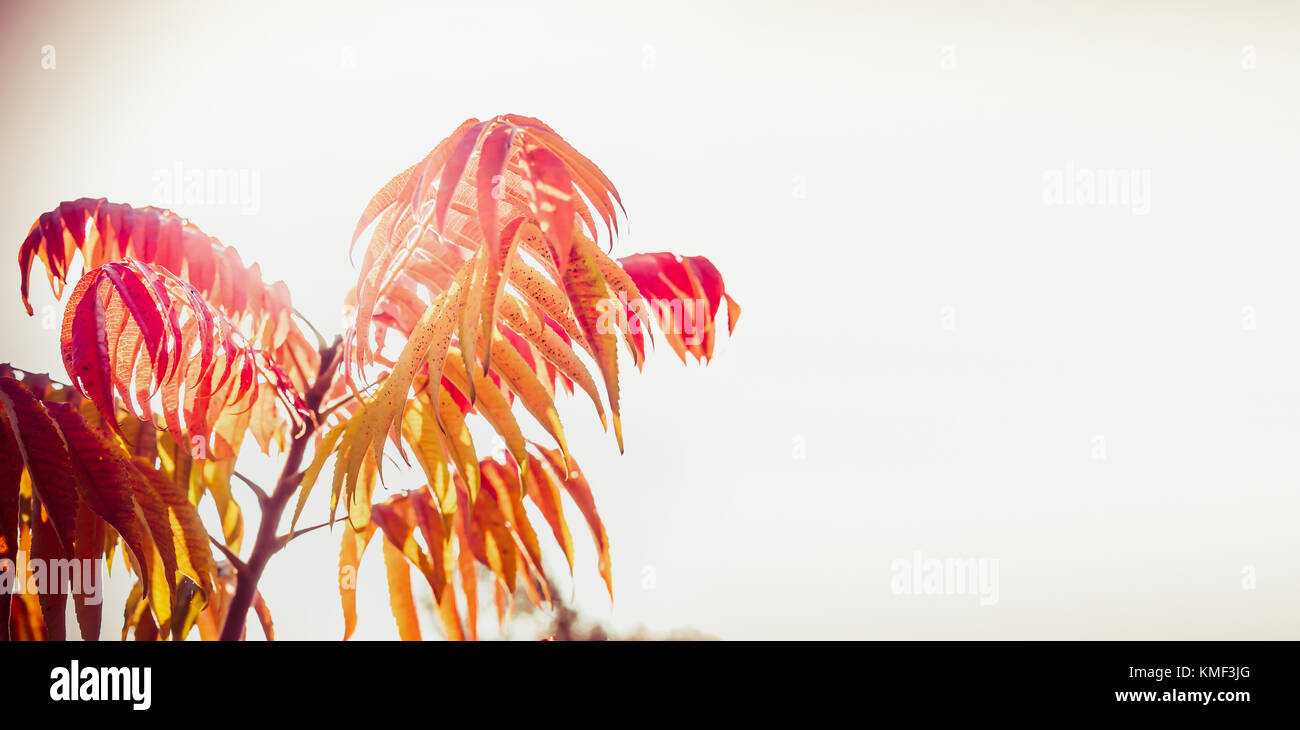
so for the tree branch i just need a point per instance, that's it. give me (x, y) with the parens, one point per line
(230, 555)
(320, 339)
(262, 497)
(268, 542)
(284, 539)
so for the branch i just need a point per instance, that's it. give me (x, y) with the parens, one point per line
(284, 539)
(234, 560)
(320, 339)
(262, 497)
(336, 405)
(268, 542)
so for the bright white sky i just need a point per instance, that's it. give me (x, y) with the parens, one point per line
(943, 347)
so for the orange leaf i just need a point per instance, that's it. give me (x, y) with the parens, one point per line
(399, 593)
(353, 547)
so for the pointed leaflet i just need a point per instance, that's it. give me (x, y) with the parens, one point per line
(309, 477)
(456, 437)
(491, 404)
(589, 295)
(26, 623)
(46, 550)
(710, 279)
(498, 273)
(421, 431)
(552, 201)
(391, 241)
(45, 456)
(471, 311)
(353, 547)
(400, 600)
(103, 477)
(411, 198)
(187, 345)
(550, 299)
(594, 183)
(214, 478)
(434, 528)
(452, 171)
(504, 480)
(467, 569)
(622, 287)
(264, 616)
(549, 344)
(576, 485)
(185, 531)
(85, 346)
(11, 470)
(188, 603)
(382, 201)
(135, 610)
(370, 424)
(105, 232)
(398, 520)
(89, 547)
(541, 488)
(684, 294)
(491, 167)
(441, 551)
(359, 499)
(498, 542)
(522, 379)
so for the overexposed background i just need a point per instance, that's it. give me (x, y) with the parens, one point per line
(931, 358)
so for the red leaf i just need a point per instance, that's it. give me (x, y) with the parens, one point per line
(45, 456)
(552, 192)
(49, 546)
(684, 295)
(11, 472)
(104, 477)
(491, 166)
(452, 173)
(105, 232)
(186, 349)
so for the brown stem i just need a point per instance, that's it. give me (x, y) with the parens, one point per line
(268, 542)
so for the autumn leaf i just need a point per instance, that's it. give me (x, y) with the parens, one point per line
(45, 457)
(185, 350)
(485, 285)
(399, 593)
(105, 232)
(353, 547)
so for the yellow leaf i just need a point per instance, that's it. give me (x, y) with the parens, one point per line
(421, 431)
(399, 593)
(491, 403)
(457, 440)
(529, 325)
(522, 379)
(309, 477)
(350, 552)
(587, 291)
(369, 426)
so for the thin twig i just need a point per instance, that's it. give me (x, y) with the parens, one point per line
(267, 542)
(284, 539)
(230, 555)
(320, 339)
(262, 496)
(336, 404)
